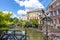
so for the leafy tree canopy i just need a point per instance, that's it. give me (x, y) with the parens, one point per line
(33, 22)
(5, 19)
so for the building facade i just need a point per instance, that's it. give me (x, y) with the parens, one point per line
(23, 17)
(54, 10)
(31, 15)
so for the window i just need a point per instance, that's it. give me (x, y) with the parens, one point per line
(52, 20)
(55, 12)
(59, 11)
(51, 13)
(59, 20)
(55, 21)
(51, 6)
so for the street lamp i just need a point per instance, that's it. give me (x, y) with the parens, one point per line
(46, 21)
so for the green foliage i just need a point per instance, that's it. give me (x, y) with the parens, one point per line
(23, 23)
(33, 22)
(4, 19)
(28, 24)
(15, 20)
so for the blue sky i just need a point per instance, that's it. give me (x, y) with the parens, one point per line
(14, 6)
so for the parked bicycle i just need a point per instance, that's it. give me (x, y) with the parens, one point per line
(14, 35)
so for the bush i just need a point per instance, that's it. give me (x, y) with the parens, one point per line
(28, 25)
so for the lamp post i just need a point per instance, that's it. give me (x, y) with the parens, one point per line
(46, 21)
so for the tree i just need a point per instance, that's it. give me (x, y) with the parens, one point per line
(34, 22)
(31, 23)
(28, 24)
(4, 19)
(23, 23)
(15, 20)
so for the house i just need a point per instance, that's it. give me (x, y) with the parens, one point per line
(54, 10)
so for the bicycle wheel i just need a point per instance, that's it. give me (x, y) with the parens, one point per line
(11, 37)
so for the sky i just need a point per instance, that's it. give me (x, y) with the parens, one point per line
(20, 7)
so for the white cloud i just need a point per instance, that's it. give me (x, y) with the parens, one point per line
(23, 17)
(14, 15)
(30, 4)
(7, 12)
(17, 1)
(21, 12)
